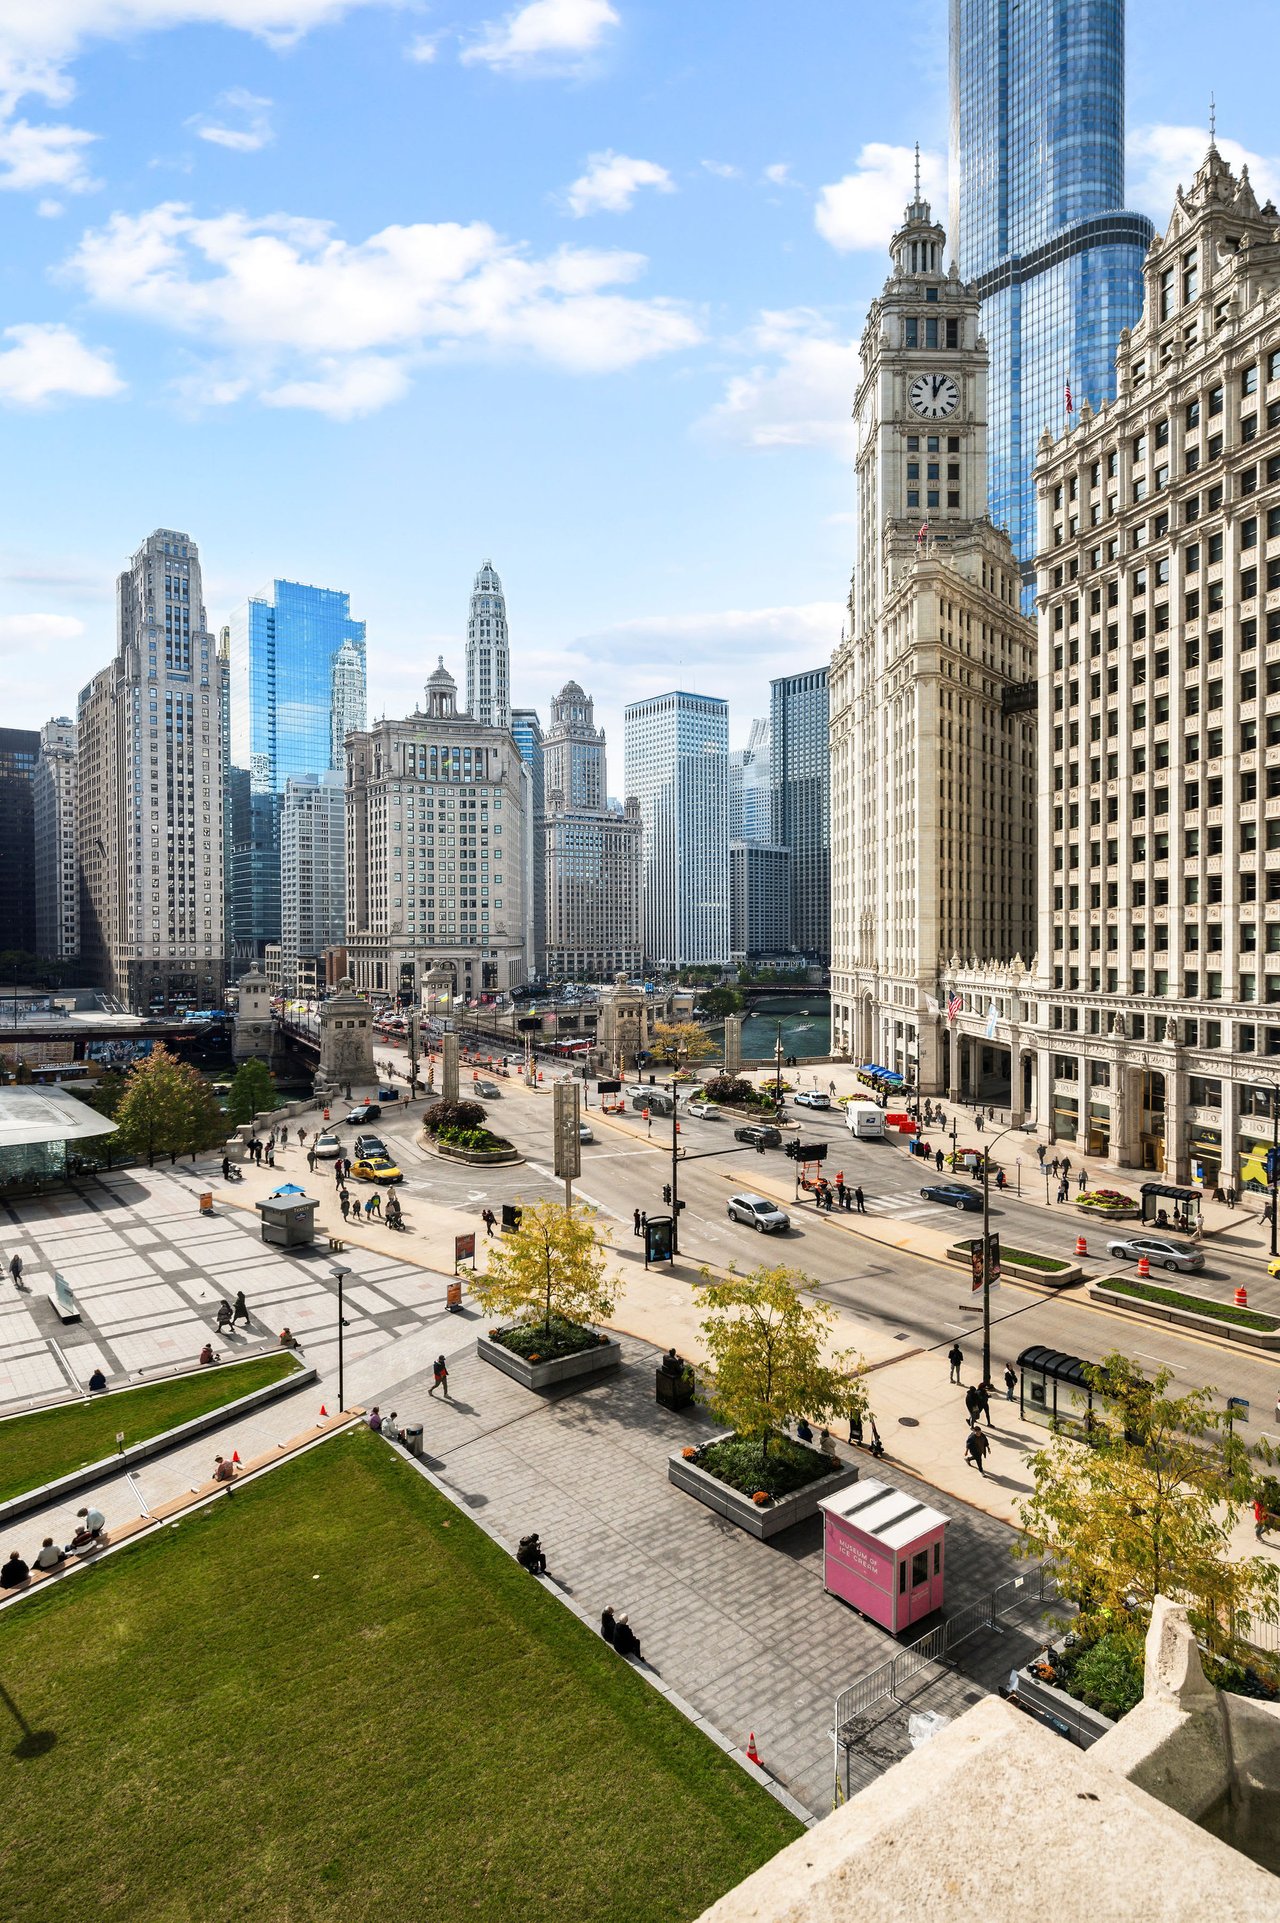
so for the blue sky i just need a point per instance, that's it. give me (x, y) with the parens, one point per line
(360, 293)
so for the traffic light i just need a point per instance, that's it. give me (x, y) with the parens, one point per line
(666, 1192)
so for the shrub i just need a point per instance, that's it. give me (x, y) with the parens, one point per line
(790, 1465)
(443, 1115)
(474, 1139)
(1200, 1304)
(537, 1342)
(1107, 1674)
(732, 1090)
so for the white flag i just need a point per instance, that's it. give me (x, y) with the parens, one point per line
(993, 1015)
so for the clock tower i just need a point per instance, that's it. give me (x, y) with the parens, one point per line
(932, 759)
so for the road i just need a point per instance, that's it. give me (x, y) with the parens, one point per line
(906, 1297)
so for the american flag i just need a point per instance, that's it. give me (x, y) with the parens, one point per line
(954, 1005)
(923, 534)
(1070, 402)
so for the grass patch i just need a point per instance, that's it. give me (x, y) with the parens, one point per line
(548, 1344)
(38, 1448)
(789, 1466)
(1200, 1304)
(333, 1699)
(1025, 1259)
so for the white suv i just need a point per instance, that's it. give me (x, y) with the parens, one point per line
(758, 1213)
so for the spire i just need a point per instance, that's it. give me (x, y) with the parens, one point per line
(1213, 121)
(918, 167)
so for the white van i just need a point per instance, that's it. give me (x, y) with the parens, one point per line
(865, 1120)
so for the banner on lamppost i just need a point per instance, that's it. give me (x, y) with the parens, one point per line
(993, 1262)
(568, 1142)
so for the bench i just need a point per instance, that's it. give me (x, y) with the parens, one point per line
(63, 1300)
(336, 1245)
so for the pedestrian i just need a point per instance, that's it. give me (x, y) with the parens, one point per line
(635, 1223)
(1261, 1520)
(284, 1136)
(271, 1151)
(877, 1447)
(955, 1356)
(1064, 1189)
(1010, 1381)
(1081, 1180)
(831, 1090)
(972, 1402)
(977, 1121)
(1066, 1165)
(648, 1121)
(337, 1172)
(1041, 1152)
(625, 1640)
(224, 1470)
(855, 1429)
(975, 1448)
(226, 1168)
(311, 1158)
(225, 1315)
(440, 1374)
(861, 1201)
(999, 1178)
(1053, 1166)
(1232, 1197)
(302, 1136)
(241, 1310)
(937, 1161)
(15, 1269)
(608, 1624)
(488, 1217)
(368, 1208)
(344, 1203)
(840, 1190)
(829, 1198)
(984, 1402)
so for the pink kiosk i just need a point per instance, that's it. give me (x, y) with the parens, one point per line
(883, 1552)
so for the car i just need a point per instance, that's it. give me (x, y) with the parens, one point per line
(812, 1098)
(363, 1112)
(705, 1111)
(328, 1147)
(584, 1132)
(1160, 1254)
(759, 1135)
(487, 1091)
(367, 1145)
(1273, 1266)
(952, 1196)
(758, 1213)
(376, 1168)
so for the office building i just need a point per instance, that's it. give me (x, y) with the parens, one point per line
(676, 758)
(1150, 1032)
(297, 661)
(488, 656)
(1037, 222)
(593, 856)
(759, 901)
(435, 852)
(757, 784)
(53, 793)
(800, 803)
(149, 797)
(19, 753)
(932, 750)
(526, 730)
(313, 876)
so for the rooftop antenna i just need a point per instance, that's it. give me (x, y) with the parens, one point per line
(917, 170)
(1213, 122)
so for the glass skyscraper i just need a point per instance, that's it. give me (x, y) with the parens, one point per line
(1037, 223)
(800, 780)
(297, 685)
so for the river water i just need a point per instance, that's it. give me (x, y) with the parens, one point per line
(806, 1026)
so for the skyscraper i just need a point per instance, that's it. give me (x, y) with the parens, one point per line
(592, 855)
(757, 805)
(677, 765)
(297, 685)
(527, 732)
(1037, 223)
(313, 871)
(19, 750)
(149, 793)
(488, 658)
(53, 789)
(800, 795)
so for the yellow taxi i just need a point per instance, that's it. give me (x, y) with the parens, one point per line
(1273, 1266)
(376, 1168)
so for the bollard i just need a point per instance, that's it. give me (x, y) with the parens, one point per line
(1144, 1267)
(1242, 1297)
(1082, 1247)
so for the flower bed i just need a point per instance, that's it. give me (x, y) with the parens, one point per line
(1195, 1304)
(479, 1140)
(788, 1467)
(538, 1360)
(761, 1501)
(539, 1342)
(1109, 1203)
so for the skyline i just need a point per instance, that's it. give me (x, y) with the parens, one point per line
(500, 208)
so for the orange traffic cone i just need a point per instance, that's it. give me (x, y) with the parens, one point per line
(323, 1410)
(235, 1455)
(1242, 1297)
(1082, 1247)
(753, 1754)
(1144, 1267)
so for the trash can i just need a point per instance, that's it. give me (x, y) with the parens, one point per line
(411, 1434)
(511, 1213)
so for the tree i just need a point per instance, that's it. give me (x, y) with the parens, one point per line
(253, 1091)
(166, 1109)
(718, 1002)
(1144, 1506)
(453, 1115)
(552, 1265)
(677, 1042)
(205, 1123)
(767, 1352)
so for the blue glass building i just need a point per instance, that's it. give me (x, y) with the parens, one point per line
(292, 672)
(1037, 184)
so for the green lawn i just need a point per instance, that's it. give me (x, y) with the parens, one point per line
(332, 1697)
(38, 1448)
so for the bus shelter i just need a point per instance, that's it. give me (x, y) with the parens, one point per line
(1165, 1207)
(1054, 1389)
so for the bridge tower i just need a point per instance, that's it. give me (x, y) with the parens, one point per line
(254, 1031)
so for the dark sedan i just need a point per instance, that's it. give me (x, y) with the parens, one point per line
(952, 1196)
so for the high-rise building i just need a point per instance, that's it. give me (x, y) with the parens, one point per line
(800, 803)
(757, 784)
(1037, 222)
(297, 685)
(149, 794)
(53, 789)
(737, 764)
(488, 656)
(676, 758)
(759, 901)
(932, 752)
(593, 874)
(19, 752)
(435, 852)
(526, 730)
(313, 873)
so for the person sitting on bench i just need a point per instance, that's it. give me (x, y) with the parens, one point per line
(97, 1381)
(207, 1355)
(14, 1573)
(530, 1555)
(90, 1530)
(48, 1556)
(625, 1640)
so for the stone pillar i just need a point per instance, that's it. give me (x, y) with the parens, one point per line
(346, 1039)
(1230, 1175)
(1177, 1161)
(732, 1044)
(1017, 1108)
(449, 1069)
(1044, 1091)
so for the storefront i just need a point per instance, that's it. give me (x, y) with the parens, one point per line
(39, 1132)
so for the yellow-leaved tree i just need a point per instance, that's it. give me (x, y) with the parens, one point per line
(680, 1042)
(552, 1268)
(767, 1349)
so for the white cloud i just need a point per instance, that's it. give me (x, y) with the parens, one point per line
(779, 173)
(799, 391)
(45, 360)
(313, 320)
(1162, 158)
(424, 49)
(33, 157)
(863, 209)
(256, 133)
(544, 33)
(49, 209)
(37, 630)
(723, 169)
(719, 651)
(612, 182)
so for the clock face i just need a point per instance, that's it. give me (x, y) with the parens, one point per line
(934, 395)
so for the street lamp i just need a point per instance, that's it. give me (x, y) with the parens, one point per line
(1273, 1160)
(1015, 1128)
(340, 1275)
(777, 1062)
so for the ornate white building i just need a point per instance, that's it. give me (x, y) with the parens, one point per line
(932, 742)
(488, 654)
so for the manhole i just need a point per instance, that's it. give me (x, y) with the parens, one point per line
(908, 1422)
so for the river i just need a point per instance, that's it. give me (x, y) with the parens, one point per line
(806, 1026)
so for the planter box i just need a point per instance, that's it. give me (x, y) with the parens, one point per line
(1083, 1725)
(1062, 1278)
(1187, 1318)
(761, 1522)
(550, 1374)
(478, 1157)
(674, 1391)
(1124, 1213)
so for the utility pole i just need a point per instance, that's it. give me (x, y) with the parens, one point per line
(777, 1067)
(1021, 1128)
(340, 1276)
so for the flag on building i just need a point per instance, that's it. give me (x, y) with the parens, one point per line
(993, 1016)
(922, 534)
(934, 1007)
(954, 1005)
(1070, 403)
